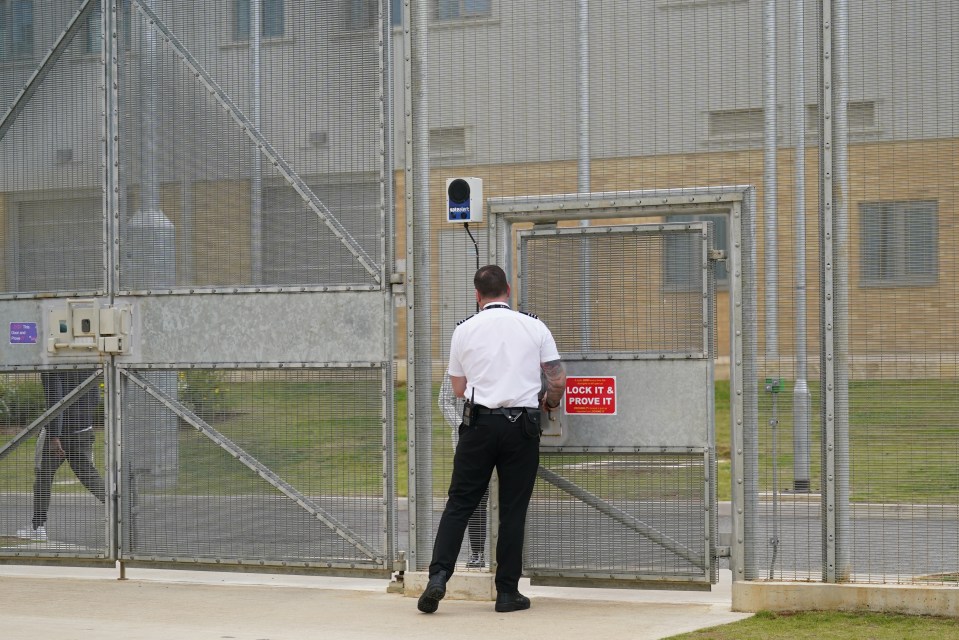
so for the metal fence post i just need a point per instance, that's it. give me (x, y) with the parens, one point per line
(834, 252)
(419, 347)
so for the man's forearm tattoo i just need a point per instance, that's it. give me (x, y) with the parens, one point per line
(555, 374)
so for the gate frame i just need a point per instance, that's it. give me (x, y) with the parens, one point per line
(738, 203)
(113, 368)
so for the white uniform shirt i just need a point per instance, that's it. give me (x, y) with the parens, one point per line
(499, 352)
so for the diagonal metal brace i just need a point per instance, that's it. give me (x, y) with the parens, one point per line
(622, 517)
(256, 466)
(66, 37)
(50, 414)
(263, 144)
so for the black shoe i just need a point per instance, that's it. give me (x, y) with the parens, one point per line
(434, 592)
(515, 601)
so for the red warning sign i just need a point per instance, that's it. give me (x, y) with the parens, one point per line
(591, 395)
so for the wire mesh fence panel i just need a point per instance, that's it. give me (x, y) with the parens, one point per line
(260, 465)
(623, 292)
(597, 515)
(248, 151)
(250, 158)
(50, 143)
(52, 489)
(902, 297)
(460, 256)
(612, 97)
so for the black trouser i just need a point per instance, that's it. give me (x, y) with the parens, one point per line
(79, 453)
(477, 526)
(492, 441)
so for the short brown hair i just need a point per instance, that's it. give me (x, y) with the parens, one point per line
(490, 281)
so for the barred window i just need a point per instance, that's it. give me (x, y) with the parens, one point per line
(16, 29)
(463, 9)
(272, 21)
(900, 242)
(363, 13)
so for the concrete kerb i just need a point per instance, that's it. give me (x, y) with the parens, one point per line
(813, 596)
(462, 586)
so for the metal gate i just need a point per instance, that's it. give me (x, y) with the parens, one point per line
(627, 491)
(229, 316)
(629, 465)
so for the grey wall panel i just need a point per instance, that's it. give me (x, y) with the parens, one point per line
(660, 403)
(263, 327)
(319, 327)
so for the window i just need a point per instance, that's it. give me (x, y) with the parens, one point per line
(93, 29)
(363, 13)
(272, 21)
(899, 242)
(16, 29)
(860, 116)
(299, 249)
(736, 123)
(679, 254)
(58, 246)
(463, 9)
(449, 142)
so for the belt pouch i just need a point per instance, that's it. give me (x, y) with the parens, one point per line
(532, 423)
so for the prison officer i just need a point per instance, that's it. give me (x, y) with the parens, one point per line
(496, 360)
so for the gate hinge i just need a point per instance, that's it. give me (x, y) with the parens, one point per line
(83, 326)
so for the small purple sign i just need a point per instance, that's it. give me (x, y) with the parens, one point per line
(23, 333)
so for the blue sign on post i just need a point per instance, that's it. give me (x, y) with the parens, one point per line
(23, 333)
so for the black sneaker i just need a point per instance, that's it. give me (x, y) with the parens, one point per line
(476, 561)
(515, 601)
(435, 590)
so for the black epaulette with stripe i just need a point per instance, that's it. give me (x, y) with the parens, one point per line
(531, 315)
(464, 320)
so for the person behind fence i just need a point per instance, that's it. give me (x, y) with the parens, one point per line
(496, 358)
(69, 436)
(478, 521)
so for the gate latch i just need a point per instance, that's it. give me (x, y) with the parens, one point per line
(83, 327)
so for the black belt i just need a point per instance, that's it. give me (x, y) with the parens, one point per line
(480, 409)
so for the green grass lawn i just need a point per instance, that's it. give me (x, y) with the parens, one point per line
(327, 437)
(820, 625)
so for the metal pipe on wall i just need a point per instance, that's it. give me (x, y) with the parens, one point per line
(801, 395)
(256, 177)
(582, 92)
(149, 180)
(583, 156)
(770, 221)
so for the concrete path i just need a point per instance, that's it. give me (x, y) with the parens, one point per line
(81, 604)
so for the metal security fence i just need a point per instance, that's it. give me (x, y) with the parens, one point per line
(262, 466)
(257, 186)
(197, 200)
(841, 114)
(619, 520)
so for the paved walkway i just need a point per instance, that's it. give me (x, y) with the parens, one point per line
(81, 604)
